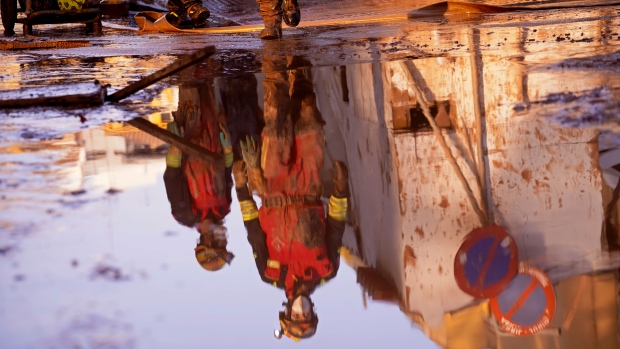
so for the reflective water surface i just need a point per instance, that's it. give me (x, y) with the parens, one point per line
(340, 227)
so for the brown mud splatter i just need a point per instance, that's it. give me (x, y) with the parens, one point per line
(420, 232)
(444, 202)
(506, 166)
(409, 257)
(407, 292)
(527, 175)
(540, 136)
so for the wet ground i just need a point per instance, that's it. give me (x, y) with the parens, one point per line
(526, 102)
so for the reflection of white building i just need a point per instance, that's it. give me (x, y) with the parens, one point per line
(121, 156)
(118, 153)
(542, 181)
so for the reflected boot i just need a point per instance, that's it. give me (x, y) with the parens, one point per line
(271, 11)
(291, 13)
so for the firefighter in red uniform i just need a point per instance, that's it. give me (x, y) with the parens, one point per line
(296, 247)
(200, 192)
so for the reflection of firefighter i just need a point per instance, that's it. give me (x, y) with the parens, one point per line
(296, 247)
(200, 192)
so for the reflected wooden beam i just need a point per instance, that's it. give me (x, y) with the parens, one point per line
(175, 67)
(186, 146)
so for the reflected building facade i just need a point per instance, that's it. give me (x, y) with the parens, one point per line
(499, 116)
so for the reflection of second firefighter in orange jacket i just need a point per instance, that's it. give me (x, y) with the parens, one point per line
(296, 247)
(200, 191)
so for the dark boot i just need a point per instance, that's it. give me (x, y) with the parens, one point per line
(198, 14)
(291, 14)
(272, 30)
(271, 11)
(177, 15)
(183, 10)
(179, 19)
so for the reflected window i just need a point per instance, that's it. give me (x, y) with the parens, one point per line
(410, 119)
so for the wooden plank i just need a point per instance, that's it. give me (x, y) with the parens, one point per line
(180, 64)
(87, 94)
(174, 140)
(25, 45)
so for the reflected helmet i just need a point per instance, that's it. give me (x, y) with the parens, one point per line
(212, 259)
(297, 330)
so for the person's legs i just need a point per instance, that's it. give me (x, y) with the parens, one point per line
(278, 132)
(291, 15)
(271, 12)
(308, 128)
(305, 114)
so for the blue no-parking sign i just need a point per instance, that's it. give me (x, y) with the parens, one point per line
(486, 262)
(528, 303)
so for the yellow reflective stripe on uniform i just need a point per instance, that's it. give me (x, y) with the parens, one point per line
(322, 281)
(263, 153)
(255, 255)
(275, 284)
(228, 159)
(247, 205)
(248, 210)
(338, 208)
(173, 160)
(273, 264)
(250, 216)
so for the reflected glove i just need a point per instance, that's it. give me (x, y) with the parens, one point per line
(186, 114)
(239, 174)
(251, 153)
(341, 179)
(174, 157)
(226, 146)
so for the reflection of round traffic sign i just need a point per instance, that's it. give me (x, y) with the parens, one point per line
(527, 305)
(486, 262)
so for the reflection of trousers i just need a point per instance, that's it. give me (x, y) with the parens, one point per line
(239, 99)
(206, 181)
(293, 137)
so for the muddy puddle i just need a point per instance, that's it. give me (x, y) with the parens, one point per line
(112, 238)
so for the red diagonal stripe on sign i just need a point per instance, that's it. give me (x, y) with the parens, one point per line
(487, 264)
(521, 300)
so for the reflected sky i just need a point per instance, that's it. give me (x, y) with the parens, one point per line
(120, 271)
(159, 297)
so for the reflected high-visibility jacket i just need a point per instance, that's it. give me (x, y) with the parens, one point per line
(285, 257)
(198, 190)
(193, 206)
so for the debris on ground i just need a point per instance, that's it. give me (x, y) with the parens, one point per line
(87, 93)
(41, 44)
(108, 272)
